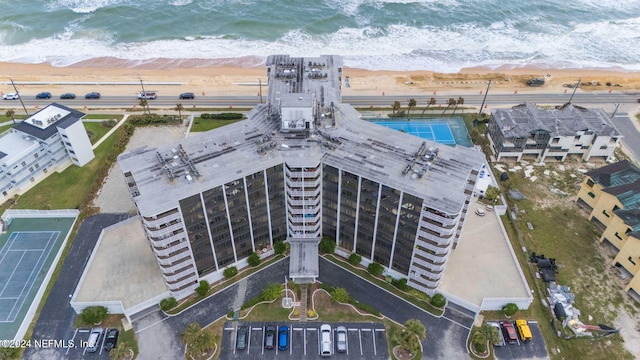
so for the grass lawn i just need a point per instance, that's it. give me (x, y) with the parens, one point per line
(200, 125)
(561, 231)
(95, 130)
(69, 189)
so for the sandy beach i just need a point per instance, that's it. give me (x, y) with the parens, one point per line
(237, 77)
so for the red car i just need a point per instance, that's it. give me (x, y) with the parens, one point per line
(509, 331)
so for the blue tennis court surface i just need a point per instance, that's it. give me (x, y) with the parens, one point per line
(449, 131)
(21, 261)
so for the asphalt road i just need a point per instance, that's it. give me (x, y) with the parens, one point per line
(56, 319)
(493, 99)
(159, 335)
(630, 133)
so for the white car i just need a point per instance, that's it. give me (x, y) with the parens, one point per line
(480, 212)
(325, 340)
(11, 96)
(147, 95)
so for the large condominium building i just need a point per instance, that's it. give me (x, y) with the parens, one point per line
(302, 166)
(47, 141)
(611, 196)
(527, 131)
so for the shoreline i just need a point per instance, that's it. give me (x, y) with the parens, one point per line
(222, 76)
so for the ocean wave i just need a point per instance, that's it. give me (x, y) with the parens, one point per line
(85, 6)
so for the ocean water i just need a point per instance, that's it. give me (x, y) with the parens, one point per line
(439, 35)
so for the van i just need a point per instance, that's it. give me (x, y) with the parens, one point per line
(148, 95)
(94, 339)
(325, 340)
(524, 330)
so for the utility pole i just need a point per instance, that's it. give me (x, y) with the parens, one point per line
(19, 98)
(615, 111)
(146, 101)
(574, 90)
(485, 97)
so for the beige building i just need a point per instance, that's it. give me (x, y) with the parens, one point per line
(611, 196)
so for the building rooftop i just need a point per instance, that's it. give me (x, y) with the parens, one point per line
(521, 120)
(340, 138)
(616, 174)
(41, 124)
(14, 146)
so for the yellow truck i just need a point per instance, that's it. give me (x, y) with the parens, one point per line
(524, 330)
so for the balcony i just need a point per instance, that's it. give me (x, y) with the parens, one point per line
(304, 210)
(440, 240)
(190, 281)
(168, 263)
(305, 202)
(157, 223)
(428, 265)
(436, 258)
(426, 225)
(306, 194)
(296, 173)
(306, 184)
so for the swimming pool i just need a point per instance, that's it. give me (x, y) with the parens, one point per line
(449, 131)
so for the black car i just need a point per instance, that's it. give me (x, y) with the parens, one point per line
(68, 96)
(187, 95)
(92, 95)
(270, 337)
(44, 95)
(111, 340)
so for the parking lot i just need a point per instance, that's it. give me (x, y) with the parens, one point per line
(79, 350)
(364, 341)
(534, 349)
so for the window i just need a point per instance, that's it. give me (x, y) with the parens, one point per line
(605, 213)
(603, 147)
(36, 155)
(31, 169)
(631, 260)
(24, 163)
(37, 166)
(618, 236)
(592, 195)
(45, 170)
(590, 183)
(32, 179)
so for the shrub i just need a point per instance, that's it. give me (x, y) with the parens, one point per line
(271, 292)
(354, 259)
(108, 123)
(400, 284)
(254, 259)
(168, 303)
(203, 288)
(367, 308)
(419, 294)
(279, 247)
(375, 269)
(311, 313)
(327, 245)
(438, 300)
(94, 314)
(230, 272)
(296, 312)
(509, 309)
(152, 119)
(222, 116)
(340, 295)
(251, 302)
(479, 341)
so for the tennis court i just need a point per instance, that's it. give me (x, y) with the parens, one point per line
(449, 131)
(21, 260)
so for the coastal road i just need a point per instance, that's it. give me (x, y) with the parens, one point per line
(493, 100)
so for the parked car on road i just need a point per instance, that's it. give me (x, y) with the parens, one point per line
(241, 338)
(43, 95)
(92, 95)
(325, 340)
(187, 96)
(94, 339)
(341, 339)
(269, 337)
(283, 338)
(111, 340)
(11, 96)
(509, 332)
(524, 330)
(68, 96)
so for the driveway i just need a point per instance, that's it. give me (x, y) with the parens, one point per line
(56, 319)
(159, 335)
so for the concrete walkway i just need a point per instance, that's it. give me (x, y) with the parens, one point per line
(113, 129)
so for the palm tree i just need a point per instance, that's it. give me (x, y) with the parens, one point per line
(413, 334)
(490, 333)
(460, 101)
(11, 114)
(395, 107)
(452, 101)
(145, 105)
(411, 105)
(432, 101)
(121, 352)
(190, 335)
(179, 109)
(197, 340)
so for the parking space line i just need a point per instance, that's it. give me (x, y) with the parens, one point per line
(352, 329)
(298, 329)
(375, 350)
(249, 341)
(73, 338)
(256, 329)
(379, 330)
(228, 329)
(304, 341)
(360, 338)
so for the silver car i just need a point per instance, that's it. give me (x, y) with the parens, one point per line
(341, 339)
